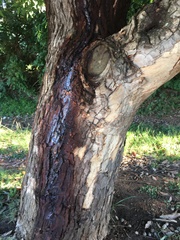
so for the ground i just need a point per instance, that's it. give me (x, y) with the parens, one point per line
(145, 192)
(146, 202)
(142, 195)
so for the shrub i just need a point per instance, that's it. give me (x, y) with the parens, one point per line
(23, 46)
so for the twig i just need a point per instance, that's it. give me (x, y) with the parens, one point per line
(165, 220)
(171, 216)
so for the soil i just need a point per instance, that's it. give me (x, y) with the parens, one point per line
(138, 215)
(144, 205)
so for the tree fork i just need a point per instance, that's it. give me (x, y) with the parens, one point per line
(91, 90)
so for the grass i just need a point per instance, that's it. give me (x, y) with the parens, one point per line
(160, 142)
(152, 191)
(160, 103)
(14, 143)
(10, 180)
(119, 204)
(174, 186)
(10, 184)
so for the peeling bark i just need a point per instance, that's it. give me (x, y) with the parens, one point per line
(92, 88)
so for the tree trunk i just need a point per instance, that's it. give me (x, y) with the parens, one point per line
(93, 85)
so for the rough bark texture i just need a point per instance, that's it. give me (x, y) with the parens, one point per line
(93, 85)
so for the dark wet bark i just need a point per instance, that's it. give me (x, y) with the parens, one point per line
(93, 85)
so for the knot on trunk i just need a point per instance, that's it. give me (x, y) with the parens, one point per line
(96, 62)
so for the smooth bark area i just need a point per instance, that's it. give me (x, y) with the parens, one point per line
(97, 76)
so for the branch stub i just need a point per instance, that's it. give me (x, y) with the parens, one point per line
(98, 60)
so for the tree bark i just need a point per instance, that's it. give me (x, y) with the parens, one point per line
(96, 78)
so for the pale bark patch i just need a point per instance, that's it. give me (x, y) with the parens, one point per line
(162, 70)
(114, 103)
(90, 182)
(35, 149)
(80, 152)
(109, 153)
(29, 203)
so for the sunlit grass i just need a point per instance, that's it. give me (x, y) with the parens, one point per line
(14, 143)
(160, 143)
(10, 179)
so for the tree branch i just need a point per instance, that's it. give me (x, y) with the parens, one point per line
(151, 42)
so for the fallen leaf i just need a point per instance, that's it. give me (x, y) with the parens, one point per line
(154, 178)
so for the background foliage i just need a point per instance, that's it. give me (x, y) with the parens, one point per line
(23, 48)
